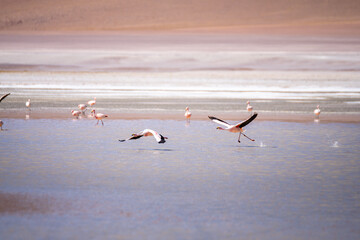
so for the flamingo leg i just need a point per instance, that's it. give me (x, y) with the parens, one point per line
(246, 137)
(97, 122)
(102, 122)
(239, 137)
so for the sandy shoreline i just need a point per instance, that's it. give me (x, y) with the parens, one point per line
(199, 116)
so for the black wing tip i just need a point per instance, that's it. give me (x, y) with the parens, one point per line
(162, 139)
(121, 140)
(211, 117)
(4, 96)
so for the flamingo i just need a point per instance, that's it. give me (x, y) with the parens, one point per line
(249, 108)
(82, 107)
(145, 133)
(187, 114)
(92, 102)
(28, 104)
(99, 117)
(75, 113)
(317, 111)
(4, 96)
(237, 128)
(1, 124)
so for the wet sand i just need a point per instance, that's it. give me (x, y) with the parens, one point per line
(155, 75)
(20, 203)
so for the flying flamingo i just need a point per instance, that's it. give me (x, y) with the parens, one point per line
(99, 117)
(317, 111)
(4, 96)
(187, 114)
(249, 108)
(28, 104)
(1, 124)
(92, 102)
(75, 113)
(145, 133)
(237, 128)
(82, 107)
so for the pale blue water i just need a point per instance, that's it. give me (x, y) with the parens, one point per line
(296, 181)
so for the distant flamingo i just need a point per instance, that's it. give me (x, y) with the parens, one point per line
(145, 133)
(82, 107)
(28, 104)
(187, 114)
(92, 102)
(1, 124)
(317, 111)
(75, 113)
(99, 117)
(249, 108)
(234, 128)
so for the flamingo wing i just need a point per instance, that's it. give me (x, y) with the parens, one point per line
(4, 96)
(159, 138)
(247, 121)
(147, 132)
(133, 137)
(219, 121)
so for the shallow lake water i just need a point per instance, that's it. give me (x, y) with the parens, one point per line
(71, 179)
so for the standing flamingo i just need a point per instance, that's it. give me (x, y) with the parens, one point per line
(145, 133)
(249, 108)
(99, 117)
(317, 111)
(28, 104)
(75, 113)
(187, 114)
(237, 128)
(92, 102)
(82, 107)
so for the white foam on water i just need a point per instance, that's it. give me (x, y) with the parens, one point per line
(262, 144)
